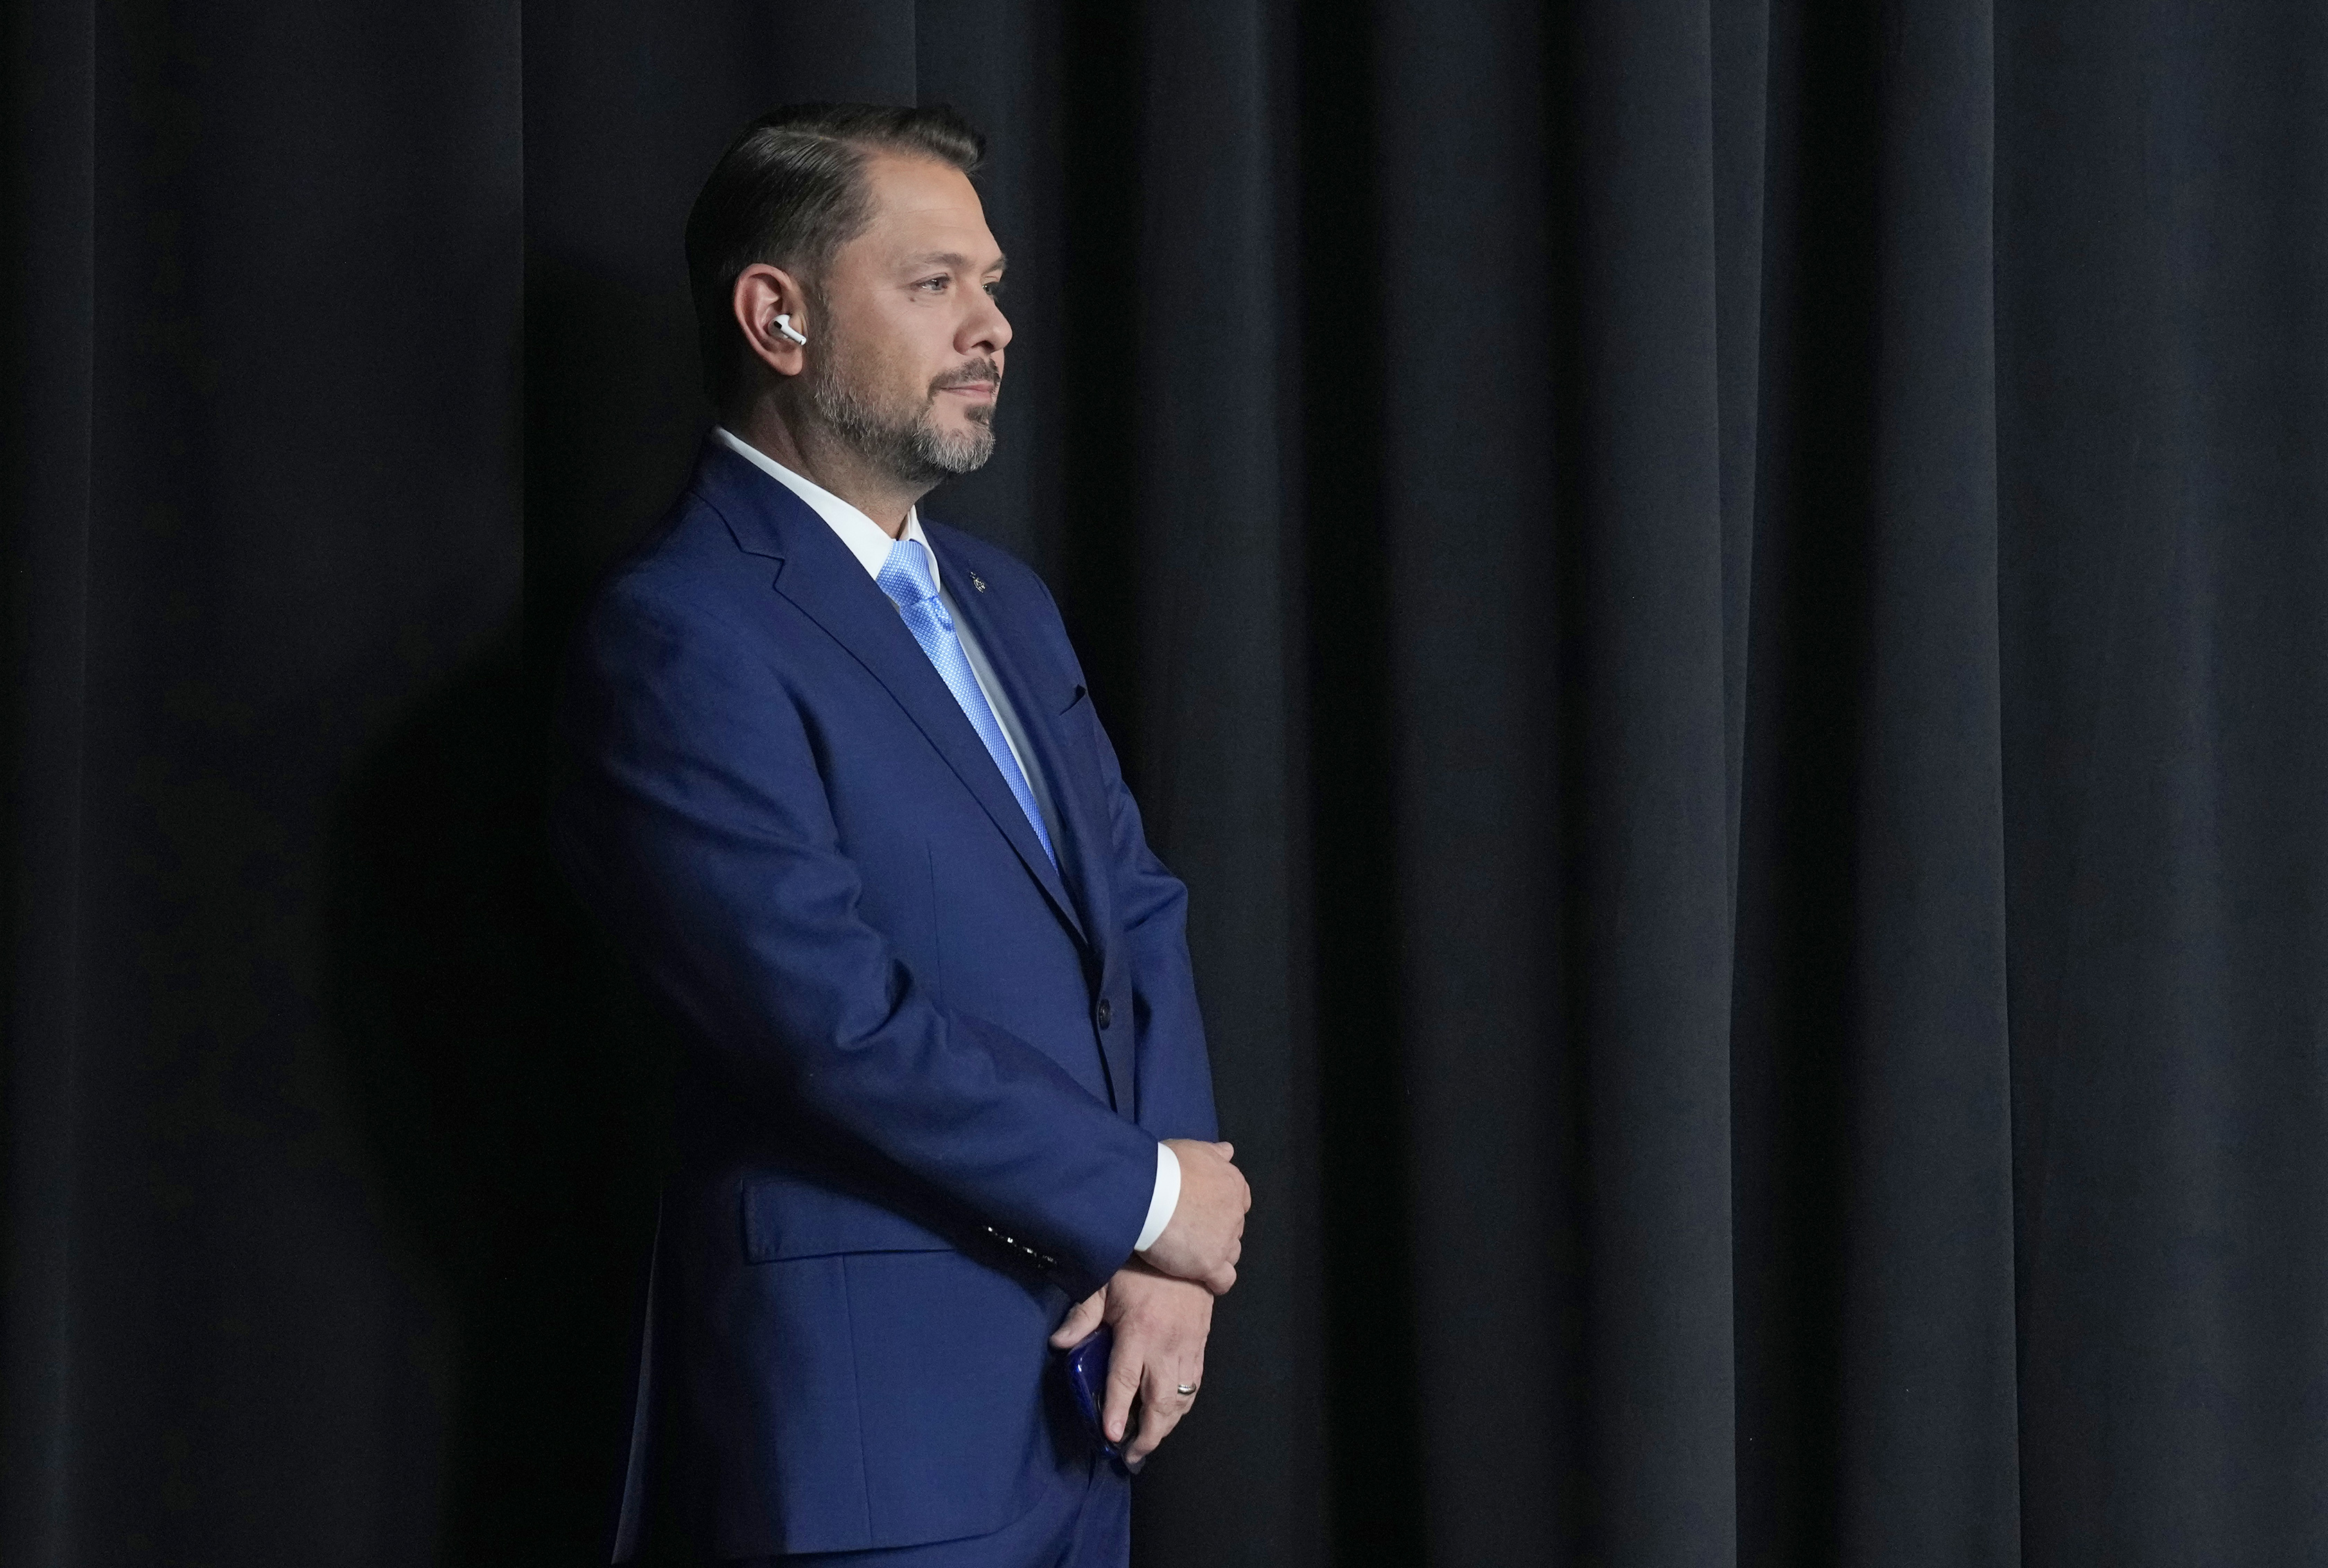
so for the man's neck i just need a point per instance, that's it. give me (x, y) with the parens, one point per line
(816, 454)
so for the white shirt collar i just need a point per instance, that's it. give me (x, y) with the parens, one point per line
(866, 540)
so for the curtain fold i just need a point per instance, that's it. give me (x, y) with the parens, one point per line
(1718, 601)
(2161, 422)
(1647, 654)
(1927, 1411)
(45, 452)
(1459, 336)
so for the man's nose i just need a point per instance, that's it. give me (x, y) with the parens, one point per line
(990, 330)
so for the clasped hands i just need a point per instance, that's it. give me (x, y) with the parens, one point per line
(1160, 1303)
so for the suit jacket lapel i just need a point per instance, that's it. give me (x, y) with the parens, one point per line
(828, 584)
(1084, 856)
(1084, 842)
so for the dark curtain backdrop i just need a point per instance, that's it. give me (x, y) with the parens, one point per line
(1721, 601)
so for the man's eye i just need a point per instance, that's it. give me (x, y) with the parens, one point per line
(994, 290)
(932, 282)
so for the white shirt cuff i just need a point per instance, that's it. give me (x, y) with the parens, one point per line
(1166, 1199)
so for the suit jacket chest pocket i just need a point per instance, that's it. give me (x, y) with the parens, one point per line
(1078, 727)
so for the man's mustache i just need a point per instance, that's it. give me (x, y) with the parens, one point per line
(977, 373)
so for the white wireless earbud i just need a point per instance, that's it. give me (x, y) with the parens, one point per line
(784, 325)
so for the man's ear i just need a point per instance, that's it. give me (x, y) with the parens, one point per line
(767, 300)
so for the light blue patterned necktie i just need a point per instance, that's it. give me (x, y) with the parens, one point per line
(907, 577)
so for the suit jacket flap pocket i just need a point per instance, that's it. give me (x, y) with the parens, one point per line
(787, 1218)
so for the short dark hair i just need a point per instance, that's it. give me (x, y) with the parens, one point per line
(789, 192)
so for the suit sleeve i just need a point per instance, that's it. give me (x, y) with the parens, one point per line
(691, 816)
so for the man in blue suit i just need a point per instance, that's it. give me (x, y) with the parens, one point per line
(830, 774)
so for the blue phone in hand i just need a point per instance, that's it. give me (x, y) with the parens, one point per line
(1087, 1361)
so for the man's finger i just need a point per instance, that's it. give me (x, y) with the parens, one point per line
(1124, 1368)
(1161, 1406)
(1082, 1319)
(1228, 1151)
(1221, 1278)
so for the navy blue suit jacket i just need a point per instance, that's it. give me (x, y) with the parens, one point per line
(927, 1070)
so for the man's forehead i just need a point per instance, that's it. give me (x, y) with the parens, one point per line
(926, 211)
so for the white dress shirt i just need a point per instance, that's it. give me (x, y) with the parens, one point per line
(871, 543)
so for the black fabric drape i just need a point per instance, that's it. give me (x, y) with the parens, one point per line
(1720, 603)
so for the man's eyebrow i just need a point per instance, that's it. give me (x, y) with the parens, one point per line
(952, 259)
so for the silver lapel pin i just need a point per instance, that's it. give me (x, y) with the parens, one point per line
(978, 582)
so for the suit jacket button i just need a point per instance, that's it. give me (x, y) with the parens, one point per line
(1106, 1013)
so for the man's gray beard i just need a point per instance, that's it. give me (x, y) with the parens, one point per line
(911, 450)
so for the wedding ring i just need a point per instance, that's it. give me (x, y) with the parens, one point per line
(1186, 1388)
